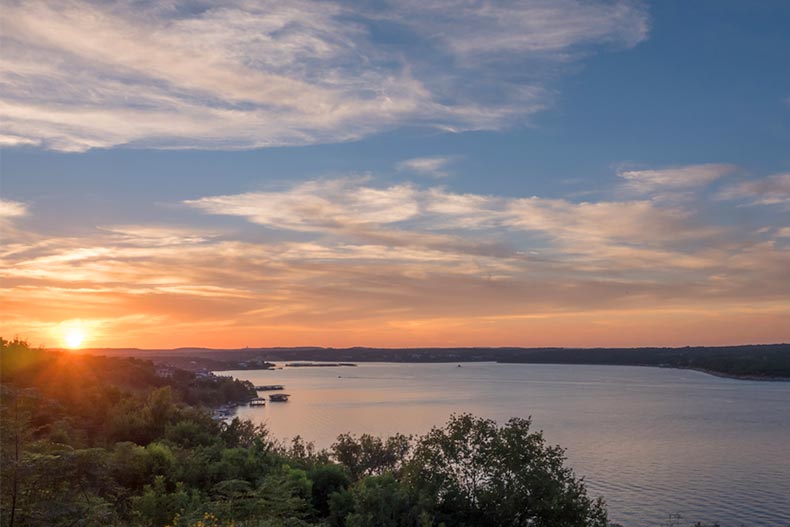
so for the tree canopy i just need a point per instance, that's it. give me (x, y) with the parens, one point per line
(96, 441)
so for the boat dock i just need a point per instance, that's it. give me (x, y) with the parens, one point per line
(269, 387)
(258, 401)
(279, 397)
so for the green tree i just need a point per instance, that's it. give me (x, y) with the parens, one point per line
(370, 455)
(476, 473)
(243, 433)
(285, 494)
(327, 479)
(381, 501)
(158, 504)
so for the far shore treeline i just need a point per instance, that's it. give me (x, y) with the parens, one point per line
(760, 362)
(105, 441)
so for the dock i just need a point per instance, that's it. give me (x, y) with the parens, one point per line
(258, 401)
(269, 387)
(279, 397)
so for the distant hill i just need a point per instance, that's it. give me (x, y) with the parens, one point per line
(762, 362)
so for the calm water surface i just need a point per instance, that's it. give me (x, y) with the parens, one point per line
(651, 441)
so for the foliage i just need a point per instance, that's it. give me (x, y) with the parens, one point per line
(474, 472)
(369, 455)
(96, 441)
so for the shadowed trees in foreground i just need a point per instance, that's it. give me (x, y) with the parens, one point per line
(103, 441)
(95, 441)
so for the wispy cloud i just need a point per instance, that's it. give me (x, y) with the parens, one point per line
(349, 261)
(318, 205)
(155, 235)
(407, 214)
(529, 27)
(14, 141)
(771, 190)
(433, 166)
(296, 292)
(78, 75)
(674, 178)
(611, 240)
(12, 209)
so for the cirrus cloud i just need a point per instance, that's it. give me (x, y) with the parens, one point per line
(674, 178)
(12, 209)
(771, 190)
(79, 75)
(636, 234)
(433, 166)
(354, 262)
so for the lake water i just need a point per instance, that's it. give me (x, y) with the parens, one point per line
(651, 441)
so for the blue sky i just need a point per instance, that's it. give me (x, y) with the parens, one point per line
(475, 134)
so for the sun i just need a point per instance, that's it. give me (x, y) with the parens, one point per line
(74, 338)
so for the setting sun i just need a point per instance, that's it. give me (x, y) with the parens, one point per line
(74, 338)
(328, 262)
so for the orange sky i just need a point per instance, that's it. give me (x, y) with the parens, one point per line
(495, 174)
(404, 265)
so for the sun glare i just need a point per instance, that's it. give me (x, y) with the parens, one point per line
(74, 338)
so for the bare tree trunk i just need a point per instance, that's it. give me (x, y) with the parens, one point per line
(15, 484)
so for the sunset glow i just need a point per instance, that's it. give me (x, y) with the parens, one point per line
(521, 174)
(326, 262)
(73, 339)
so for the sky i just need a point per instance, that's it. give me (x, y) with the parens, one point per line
(395, 174)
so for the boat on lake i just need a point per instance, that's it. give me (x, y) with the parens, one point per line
(258, 401)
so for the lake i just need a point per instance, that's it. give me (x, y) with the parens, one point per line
(652, 441)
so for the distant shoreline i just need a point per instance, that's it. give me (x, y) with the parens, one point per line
(762, 362)
(762, 378)
(699, 370)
